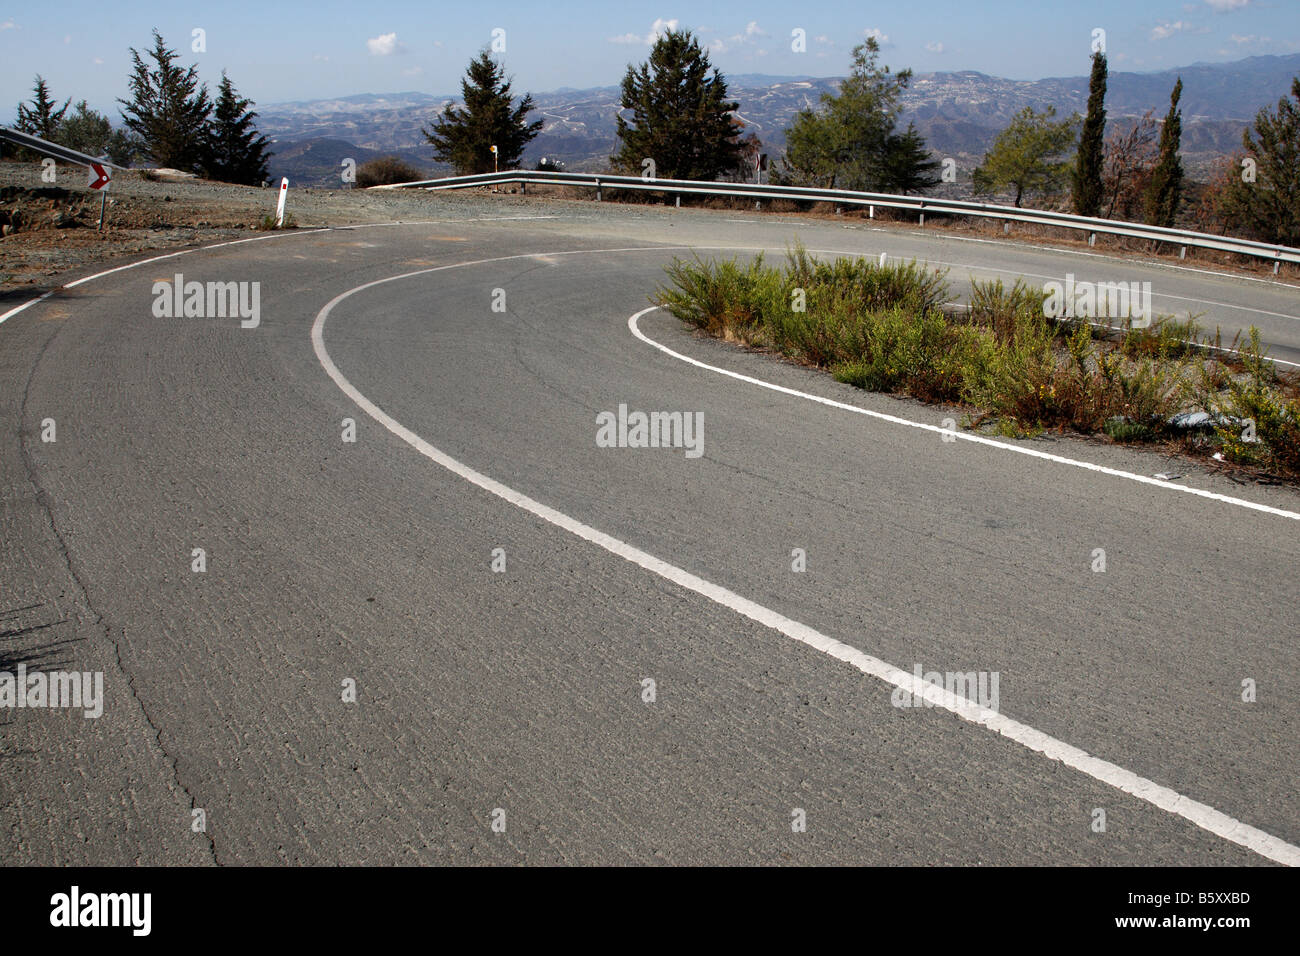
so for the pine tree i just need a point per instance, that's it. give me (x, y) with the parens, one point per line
(236, 152)
(1089, 161)
(41, 118)
(1266, 205)
(168, 109)
(1025, 154)
(465, 137)
(85, 130)
(681, 118)
(909, 167)
(1165, 189)
(850, 142)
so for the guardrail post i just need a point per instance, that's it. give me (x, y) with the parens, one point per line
(871, 212)
(679, 200)
(1006, 228)
(922, 220)
(598, 189)
(1182, 252)
(1277, 264)
(1092, 239)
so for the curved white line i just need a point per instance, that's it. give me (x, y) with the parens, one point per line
(964, 436)
(1201, 814)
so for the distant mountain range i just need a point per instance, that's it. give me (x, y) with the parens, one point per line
(958, 113)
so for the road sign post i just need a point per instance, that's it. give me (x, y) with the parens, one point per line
(100, 177)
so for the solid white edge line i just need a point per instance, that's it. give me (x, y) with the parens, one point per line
(1200, 814)
(235, 242)
(961, 435)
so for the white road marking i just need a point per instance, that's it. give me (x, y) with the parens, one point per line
(1200, 814)
(235, 242)
(963, 436)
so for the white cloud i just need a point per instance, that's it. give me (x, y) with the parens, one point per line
(384, 45)
(934, 47)
(657, 30)
(9, 25)
(320, 58)
(878, 35)
(823, 39)
(1223, 6)
(413, 71)
(1165, 29)
(97, 61)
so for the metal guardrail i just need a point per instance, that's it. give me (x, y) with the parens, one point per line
(51, 149)
(922, 205)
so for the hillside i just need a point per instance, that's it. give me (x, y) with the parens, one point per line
(959, 113)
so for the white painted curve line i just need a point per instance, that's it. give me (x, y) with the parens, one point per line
(1202, 815)
(144, 262)
(236, 242)
(963, 436)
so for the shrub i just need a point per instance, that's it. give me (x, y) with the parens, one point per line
(386, 171)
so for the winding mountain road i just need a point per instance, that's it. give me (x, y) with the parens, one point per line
(567, 653)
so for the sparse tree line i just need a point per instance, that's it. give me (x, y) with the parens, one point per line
(676, 122)
(170, 121)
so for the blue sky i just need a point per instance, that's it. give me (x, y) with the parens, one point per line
(294, 50)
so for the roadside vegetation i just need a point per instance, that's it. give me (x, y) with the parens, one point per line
(885, 328)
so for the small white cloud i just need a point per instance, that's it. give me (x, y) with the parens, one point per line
(9, 25)
(1165, 29)
(934, 47)
(97, 61)
(657, 30)
(823, 39)
(320, 58)
(413, 71)
(383, 45)
(1223, 6)
(878, 35)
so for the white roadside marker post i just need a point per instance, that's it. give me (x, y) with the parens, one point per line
(279, 208)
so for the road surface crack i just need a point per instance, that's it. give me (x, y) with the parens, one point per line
(44, 500)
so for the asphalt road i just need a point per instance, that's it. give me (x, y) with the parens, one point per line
(524, 690)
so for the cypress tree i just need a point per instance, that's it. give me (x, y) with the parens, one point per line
(1166, 186)
(1088, 162)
